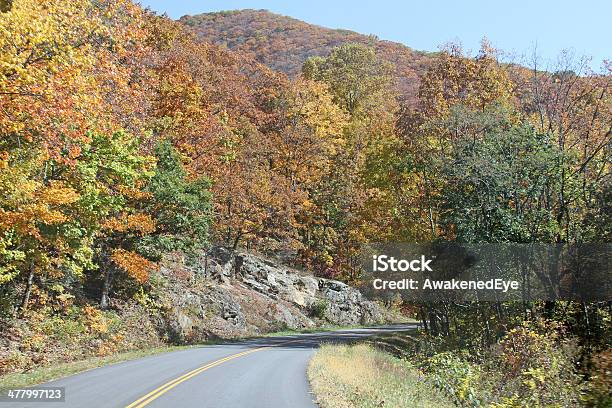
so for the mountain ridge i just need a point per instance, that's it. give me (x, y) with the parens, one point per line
(283, 43)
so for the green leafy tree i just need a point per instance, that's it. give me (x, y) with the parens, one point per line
(180, 206)
(497, 187)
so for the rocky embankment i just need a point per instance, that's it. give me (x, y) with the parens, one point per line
(240, 294)
(223, 295)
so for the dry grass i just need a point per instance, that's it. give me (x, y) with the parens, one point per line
(360, 376)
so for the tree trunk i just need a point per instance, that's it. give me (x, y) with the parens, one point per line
(26, 295)
(105, 299)
(236, 241)
(423, 315)
(433, 321)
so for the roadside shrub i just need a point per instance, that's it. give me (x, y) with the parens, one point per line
(533, 364)
(453, 374)
(319, 308)
(48, 337)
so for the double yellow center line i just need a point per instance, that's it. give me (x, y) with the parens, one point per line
(156, 393)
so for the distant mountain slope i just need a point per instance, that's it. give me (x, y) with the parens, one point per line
(284, 43)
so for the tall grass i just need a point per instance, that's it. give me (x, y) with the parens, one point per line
(360, 376)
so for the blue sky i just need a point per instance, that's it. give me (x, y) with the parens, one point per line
(512, 25)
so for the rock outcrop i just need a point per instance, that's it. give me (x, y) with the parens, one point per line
(234, 294)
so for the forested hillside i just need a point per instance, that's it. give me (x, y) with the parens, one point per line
(127, 139)
(284, 43)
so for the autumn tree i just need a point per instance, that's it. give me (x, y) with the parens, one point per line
(39, 236)
(67, 68)
(308, 133)
(453, 90)
(571, 105)
(356, 76)
(111, 174)
(356, 202)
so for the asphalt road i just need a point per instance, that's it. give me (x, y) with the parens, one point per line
(259, 373)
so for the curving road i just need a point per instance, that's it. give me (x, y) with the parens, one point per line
(259, 373)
